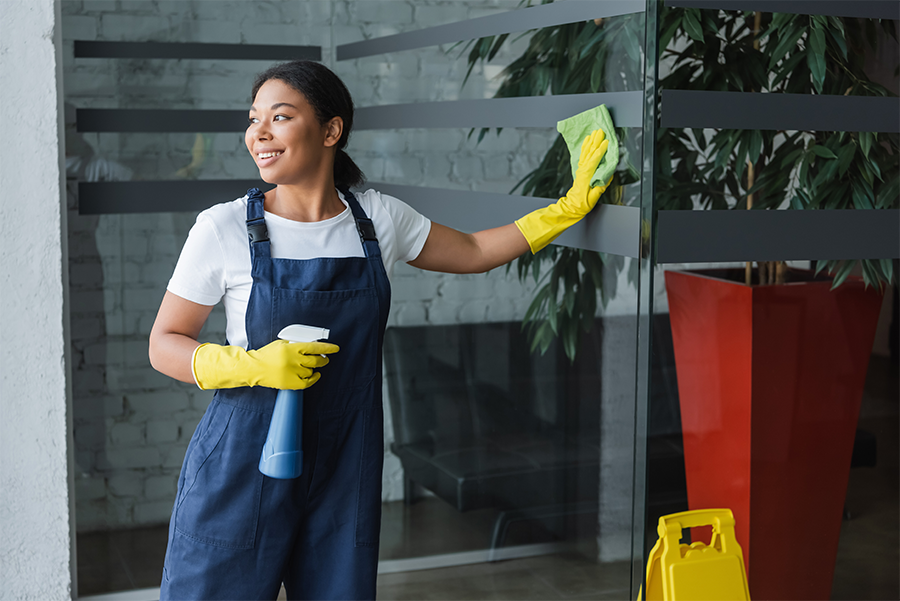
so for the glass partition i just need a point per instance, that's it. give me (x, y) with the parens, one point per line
(773, 378)
(514, 408)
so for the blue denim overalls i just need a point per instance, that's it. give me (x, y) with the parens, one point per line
(236, 534)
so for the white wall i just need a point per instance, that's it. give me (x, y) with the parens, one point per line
(34, 444)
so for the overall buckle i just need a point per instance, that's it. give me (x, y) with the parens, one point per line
(257, 231)
(366, 230)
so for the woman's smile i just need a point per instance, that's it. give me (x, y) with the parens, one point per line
(264, 158)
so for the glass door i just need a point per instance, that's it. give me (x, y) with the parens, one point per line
(515, 401)
(774, 350)
(512, 397)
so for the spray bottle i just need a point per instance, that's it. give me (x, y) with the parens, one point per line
(282, 455)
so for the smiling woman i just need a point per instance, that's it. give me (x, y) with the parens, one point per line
(322, 256)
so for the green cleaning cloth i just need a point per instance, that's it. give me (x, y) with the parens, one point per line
(575, 129)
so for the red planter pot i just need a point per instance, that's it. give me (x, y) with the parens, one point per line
(770, 379)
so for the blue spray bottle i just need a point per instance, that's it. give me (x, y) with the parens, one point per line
(282, 455)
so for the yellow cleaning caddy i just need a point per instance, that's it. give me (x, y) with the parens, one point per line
(696, 572)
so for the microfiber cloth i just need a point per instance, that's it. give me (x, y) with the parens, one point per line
(575, 129)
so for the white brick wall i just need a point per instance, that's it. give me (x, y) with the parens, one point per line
(132, 425)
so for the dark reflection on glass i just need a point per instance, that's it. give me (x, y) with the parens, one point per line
(482, 422)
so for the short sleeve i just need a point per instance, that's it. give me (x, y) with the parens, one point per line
(200, 272)
(411, 228)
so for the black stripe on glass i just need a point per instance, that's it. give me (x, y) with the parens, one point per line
(786, 235)
(103, 198)
(536, 111)
(608, 228)
(803, 112)
(866, 9)
(531, 111)
(159, 120)
(191, 50)
(535, 17)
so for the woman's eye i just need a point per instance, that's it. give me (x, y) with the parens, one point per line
(281, 117)
(252, 120)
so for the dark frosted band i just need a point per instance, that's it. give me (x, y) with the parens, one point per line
(532, 111)
(159, 120)
(787, 235)
(795, 112)
(535, 111)
(866, 9)
(191, 50)
(99, 198)
(535, 17)
(608, 228)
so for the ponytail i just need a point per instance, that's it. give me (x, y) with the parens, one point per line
(346, 173)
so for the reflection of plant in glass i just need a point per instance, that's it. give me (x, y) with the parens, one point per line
(577, 58)
(716, 169)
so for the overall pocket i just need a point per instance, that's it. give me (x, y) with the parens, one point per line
(220, 496)
(352, 316)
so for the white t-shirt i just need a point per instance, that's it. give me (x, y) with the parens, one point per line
(215, 262)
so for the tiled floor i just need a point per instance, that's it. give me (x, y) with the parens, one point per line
(133, 558)
(867, 563)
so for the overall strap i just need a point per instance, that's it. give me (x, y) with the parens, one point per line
(256, 224)
(363, 225)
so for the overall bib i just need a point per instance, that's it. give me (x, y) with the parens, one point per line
(236, 534)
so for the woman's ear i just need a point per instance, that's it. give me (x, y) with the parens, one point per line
(333, 131)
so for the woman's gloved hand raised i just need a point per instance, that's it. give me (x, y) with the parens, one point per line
(280, 364)
(541, 227)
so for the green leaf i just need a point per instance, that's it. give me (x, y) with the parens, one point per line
(866, 198)
(787, 68)
(842, 273)
(837, 35)
(692, 24)
(887, 268)
(820, 265)
(823, 152)
(791, 158)
(888, 194)
(553, 314)
(597, 73)
(756, 141)
(669, 33)
(816, 55)
(876, 169)
(870, 277)
(787, 40)
(630, 42)
(845, 158)
(865, 142)
(497, 45)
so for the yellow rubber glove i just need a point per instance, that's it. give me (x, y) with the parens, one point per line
(541, 227)
(280, 364)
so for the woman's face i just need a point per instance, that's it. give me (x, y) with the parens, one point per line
(285, 138)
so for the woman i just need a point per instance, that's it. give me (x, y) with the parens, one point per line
(311, 252)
